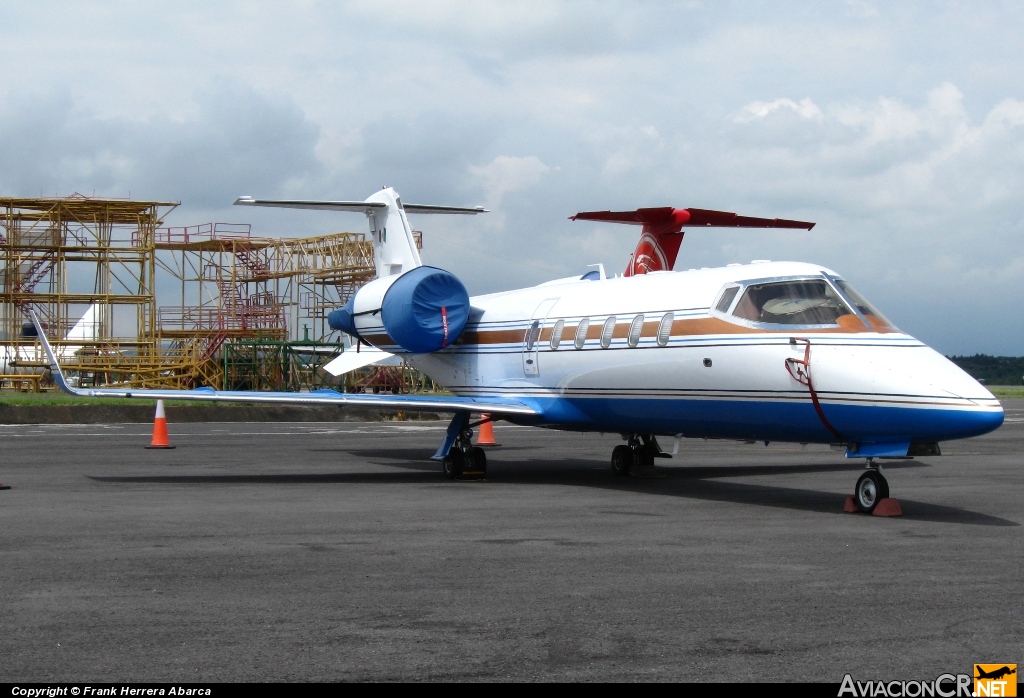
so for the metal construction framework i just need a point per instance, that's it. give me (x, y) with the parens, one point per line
(241, 298)
(245, 297)
(58, 256)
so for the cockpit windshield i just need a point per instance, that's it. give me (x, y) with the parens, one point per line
(800, 302)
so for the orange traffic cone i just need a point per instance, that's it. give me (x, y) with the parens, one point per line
(160, 439)
(486, 435)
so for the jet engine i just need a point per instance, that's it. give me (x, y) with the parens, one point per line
(418, 312)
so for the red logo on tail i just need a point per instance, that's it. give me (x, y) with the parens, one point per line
(654, 252)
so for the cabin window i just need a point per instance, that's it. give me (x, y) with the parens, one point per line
(635, 328)
(665, 329)
(606, 332)
(556, 334)
(726, 300)
(581, 333)
(802, 302)
(531, 335)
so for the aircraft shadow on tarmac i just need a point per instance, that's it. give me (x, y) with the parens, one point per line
(689, 482)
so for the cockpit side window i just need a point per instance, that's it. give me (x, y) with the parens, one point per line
(867, 310)
(801, 302)
(726, 300)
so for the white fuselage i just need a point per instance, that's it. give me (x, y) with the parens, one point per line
(710, 373)
(26, 359)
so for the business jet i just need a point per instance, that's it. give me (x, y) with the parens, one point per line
(767, 351)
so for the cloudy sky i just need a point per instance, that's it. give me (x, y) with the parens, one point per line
(898, 127)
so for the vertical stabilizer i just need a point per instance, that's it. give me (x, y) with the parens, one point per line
(87, 328)
(394, 248)
(654, 252)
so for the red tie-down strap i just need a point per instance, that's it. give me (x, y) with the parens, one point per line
(800, 369)
(444, 325)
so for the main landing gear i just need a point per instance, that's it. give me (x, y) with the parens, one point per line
(872, 487)
(638, 453)
(464, 459)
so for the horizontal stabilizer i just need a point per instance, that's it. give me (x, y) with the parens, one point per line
(666, 219)
(456, 210)
(662, 231)
(356, 206)
(353, 206)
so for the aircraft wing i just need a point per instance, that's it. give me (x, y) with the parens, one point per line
(494, 405)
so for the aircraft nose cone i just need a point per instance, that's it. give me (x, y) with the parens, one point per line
(922, 395)
(969, 423)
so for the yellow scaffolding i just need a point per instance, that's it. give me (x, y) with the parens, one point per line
(238, 288)
(62, 255)
(58, 256)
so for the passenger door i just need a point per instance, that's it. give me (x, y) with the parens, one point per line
(531, 366)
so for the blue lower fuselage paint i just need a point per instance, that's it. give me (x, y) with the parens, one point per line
(761, 420)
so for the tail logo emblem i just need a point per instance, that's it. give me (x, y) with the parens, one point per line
(648, 256)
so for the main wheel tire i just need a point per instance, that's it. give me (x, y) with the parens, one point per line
(479, 461)
(871, 488)
(453, 464)
(622, 460)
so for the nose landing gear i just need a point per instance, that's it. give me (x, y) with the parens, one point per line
(871, 495)
(872, 487)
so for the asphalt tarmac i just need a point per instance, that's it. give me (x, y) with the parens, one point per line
(336, 551)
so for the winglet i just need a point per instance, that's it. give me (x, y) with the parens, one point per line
(58, 375)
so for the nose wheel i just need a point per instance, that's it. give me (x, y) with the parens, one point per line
(872, 487)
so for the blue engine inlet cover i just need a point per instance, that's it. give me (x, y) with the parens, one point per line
(425, 310)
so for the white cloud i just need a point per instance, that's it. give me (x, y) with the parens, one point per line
(805, 109)
(508, 173)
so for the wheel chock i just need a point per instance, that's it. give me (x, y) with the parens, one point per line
(885, 507)
(888, 507)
